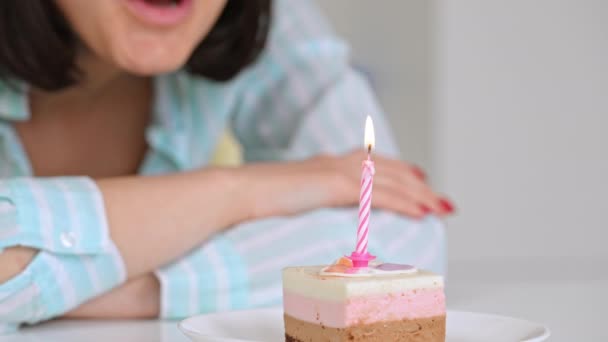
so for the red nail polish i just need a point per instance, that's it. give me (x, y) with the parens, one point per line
(425, 209)
(446, 205)
(418, 172)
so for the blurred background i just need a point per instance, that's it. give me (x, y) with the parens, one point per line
(505, 103)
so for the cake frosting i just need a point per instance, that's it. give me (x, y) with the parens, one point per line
(395, 305)
(309, 282)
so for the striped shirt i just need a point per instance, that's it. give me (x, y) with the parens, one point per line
(299, 99)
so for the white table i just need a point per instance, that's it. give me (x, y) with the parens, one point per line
(570, 297)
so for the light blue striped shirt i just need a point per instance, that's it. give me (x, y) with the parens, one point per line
(299, 99)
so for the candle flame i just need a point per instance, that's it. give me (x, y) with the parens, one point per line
(370, 138)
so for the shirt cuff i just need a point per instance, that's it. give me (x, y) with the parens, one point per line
(63, 218)
(63, 215)
(53, 284)
(209, 279)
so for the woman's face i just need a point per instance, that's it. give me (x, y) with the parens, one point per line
(144, 37)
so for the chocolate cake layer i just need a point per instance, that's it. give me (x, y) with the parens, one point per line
(412, 330)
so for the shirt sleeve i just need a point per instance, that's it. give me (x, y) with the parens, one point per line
(64, 218)
(303, 97)
(241, 267)
(212, 278)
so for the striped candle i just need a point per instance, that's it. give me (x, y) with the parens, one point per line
(360, 257)
(365, 205)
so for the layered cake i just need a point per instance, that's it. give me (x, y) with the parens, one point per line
(382, 302)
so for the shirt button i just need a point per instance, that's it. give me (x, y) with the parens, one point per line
(68, 239)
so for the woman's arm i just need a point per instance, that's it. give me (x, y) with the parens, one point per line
(138, 298)
(263, 189)
(154, 220)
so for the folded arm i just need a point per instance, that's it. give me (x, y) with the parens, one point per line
(67, 240)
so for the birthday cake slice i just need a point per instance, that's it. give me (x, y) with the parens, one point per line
(382, 302)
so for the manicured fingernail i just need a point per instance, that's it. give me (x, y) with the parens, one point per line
(425, 210)
(418, 172)
(446, 205)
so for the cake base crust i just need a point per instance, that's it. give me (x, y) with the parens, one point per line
(411, 330)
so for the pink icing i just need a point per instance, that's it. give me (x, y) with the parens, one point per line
(410, 304)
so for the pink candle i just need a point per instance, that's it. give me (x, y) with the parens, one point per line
(365, 204)
(360, 257)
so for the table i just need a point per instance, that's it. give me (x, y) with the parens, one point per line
(569, 296)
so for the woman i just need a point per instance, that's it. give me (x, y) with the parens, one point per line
(109, 114)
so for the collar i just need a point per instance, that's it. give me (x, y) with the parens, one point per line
(13, 101)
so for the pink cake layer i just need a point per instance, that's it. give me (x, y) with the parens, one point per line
(411, 304)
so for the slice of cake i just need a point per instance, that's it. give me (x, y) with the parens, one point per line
(386, 302)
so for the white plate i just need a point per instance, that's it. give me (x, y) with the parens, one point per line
(267, 325)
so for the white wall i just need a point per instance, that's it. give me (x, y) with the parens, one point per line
(391, 39)
(519, 126)
(507, 102)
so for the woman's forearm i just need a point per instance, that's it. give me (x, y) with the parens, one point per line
(155, 220)
(138, 298)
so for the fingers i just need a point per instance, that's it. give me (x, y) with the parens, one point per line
(412, 186)
(409, 182)
(398, 186)
(412, 190)
(401, 166)
(387, 199)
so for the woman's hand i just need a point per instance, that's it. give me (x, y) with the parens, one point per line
(291, 188)
(398, 186)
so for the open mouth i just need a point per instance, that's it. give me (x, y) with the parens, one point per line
(163, 3)
(160, 12)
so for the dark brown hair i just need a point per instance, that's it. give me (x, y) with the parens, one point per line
(38, 46)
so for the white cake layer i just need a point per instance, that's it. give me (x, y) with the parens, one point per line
(307, 282)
